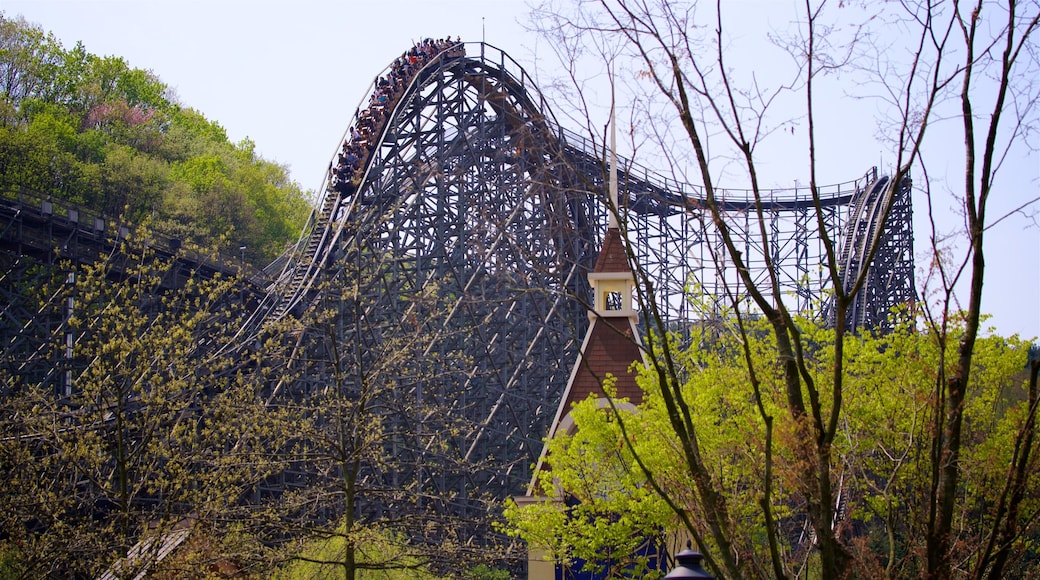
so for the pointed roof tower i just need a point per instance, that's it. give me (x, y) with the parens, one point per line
(612, 341)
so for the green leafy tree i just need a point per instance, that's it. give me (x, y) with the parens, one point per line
(95, 131)
(961, 64)
(363, 503)
(27, 57)
(602, 512)
(145, 434)
(611, 493)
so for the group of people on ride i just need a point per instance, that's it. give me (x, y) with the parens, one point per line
(361, 139)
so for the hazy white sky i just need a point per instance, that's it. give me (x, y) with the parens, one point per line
(289, 74)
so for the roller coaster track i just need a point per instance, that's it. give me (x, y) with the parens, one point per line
(473, 189)
(473, 193)
(885, 278)
(39, 233)
(656, 205)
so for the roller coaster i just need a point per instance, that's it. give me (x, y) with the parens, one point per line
(468, 190)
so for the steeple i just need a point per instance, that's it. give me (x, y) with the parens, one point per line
(612, 341)
(613, 208)
(612, 281)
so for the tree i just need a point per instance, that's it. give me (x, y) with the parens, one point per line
(144, 435)
(26, 54)
(944, 65)
(369, 443)
(880, 456)
(94, 131)
(605, 518)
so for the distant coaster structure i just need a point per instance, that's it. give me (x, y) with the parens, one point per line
(464, 188)
(464, 185)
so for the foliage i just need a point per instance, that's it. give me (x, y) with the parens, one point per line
(362, 495)
(94, 131)
(879, 457)
(144, 435)
(325, 557)
(601, 512)
(939, 76)
(485, 572)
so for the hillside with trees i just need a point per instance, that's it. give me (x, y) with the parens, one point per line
(94, 131)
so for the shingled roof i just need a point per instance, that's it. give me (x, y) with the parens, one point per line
(611, 347)
(611, 344)
(612, 257)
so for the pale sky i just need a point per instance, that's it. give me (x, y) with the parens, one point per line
(289, 74)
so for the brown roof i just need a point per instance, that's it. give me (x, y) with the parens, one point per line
(612, 257)
(611, 348)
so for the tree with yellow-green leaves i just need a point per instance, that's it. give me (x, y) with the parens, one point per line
(151, 436)
(371, 441)
(621, 478)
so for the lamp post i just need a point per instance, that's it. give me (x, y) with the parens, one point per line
(689, 566)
